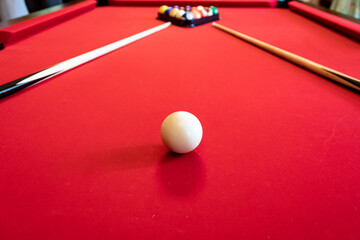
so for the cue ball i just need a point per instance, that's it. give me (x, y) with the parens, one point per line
(181, 132)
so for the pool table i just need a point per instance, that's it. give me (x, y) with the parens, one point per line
(81, 155)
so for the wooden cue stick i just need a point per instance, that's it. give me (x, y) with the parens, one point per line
(14, 86)
(303, 62)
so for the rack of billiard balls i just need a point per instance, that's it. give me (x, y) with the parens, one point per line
(188, 16)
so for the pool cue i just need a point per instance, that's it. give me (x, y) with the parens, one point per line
(34, 78)
(302, 62)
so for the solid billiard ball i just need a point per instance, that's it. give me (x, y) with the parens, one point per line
(215, 10)
(181, 132)
(173, 12)
(168, 10)
(162, 9)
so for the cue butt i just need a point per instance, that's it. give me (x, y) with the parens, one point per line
(303, 62)
(15, 86)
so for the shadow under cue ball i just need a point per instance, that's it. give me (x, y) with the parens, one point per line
(181, 132)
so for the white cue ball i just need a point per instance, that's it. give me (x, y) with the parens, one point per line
(181, 132)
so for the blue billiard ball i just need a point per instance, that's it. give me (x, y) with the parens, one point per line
(167, 11)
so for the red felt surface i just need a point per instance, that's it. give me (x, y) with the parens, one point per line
(81, 154)
(342, 25)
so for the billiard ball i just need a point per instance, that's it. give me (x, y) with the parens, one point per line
(173, 12)
(162, 9)
(168, 10)
(180, 14)
(202, 10)
(181, 132)
(196, 13)
(209, 11)
(189, 16)
(215, 10)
